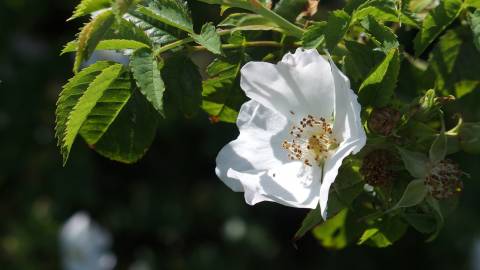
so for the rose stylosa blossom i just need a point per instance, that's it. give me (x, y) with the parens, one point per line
(301, 122)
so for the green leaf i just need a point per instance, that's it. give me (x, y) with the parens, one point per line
(86, 7)
(472, 3)
(421, 222)
(469, 137)
(90, 35)
(381, 34)
(125, 29)
(336, 27)
(384, 11)
(474, 20)
(314, 36)
(435, 23)
(415, 163)
(419, 6)
(86, 103)
(131, 134)
(209, 38)
(109, 44)
(174, 13)
(367, 234)
(347, 187)
(222, 95)
(71, 93)
(440, 221)
(158, 33)
(414, 194)
(120, 7)
(384, 233)
(360, 60)
(332, 233)
(183, 84)
(107, 107)
(378, 88)
(455, 62)
(438, 149)
(290, 9)
(248, 21)
(146, 71)
(313, 218)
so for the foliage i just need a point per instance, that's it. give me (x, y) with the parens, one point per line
(116, 108)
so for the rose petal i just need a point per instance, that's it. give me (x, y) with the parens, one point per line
(258, 147)
(293, 184)
(347, 123)
(301, 83)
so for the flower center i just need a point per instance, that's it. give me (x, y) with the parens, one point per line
(311, 141)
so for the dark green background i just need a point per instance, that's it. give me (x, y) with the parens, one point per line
(169, 209)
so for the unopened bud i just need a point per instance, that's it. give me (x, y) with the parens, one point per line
(429, 105)
(383, 120)
(376, 168)
(443, 181)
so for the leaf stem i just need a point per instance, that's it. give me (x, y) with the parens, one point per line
(245, 44)
(257, 7)
(173, 45)
(184, 41)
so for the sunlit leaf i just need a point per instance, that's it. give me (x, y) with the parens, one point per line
(87, 103)
(109, 44)
(474, 20)
(90, 35)
(209, 38)
(382, 34)
(314, 36)
(378, 88)
(146, 71)
(336, 27)
(71, 93)
(86, 7)
(436, 22)
(222, 96)
(174, 13)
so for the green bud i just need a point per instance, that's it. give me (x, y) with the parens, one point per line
(428, 106)
(469, 137)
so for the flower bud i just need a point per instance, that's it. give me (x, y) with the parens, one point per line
(376, 168)
(383, 120)
(443, 181)
(469, 137)
(429, 105)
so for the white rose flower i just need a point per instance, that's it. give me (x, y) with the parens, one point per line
(301, 122)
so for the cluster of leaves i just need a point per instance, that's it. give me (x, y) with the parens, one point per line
(393, 51)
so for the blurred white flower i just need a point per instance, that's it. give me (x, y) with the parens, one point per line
(85, 245)
(301, 122)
